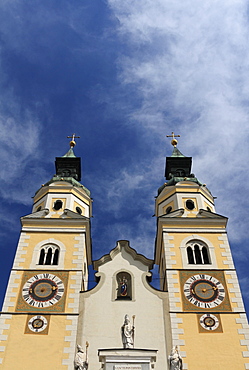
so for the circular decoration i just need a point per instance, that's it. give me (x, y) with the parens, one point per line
(37, 323)
(204, 291)
(209, 321)
(43, 290)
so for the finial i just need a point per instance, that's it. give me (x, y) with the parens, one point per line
(173, 141)
(72, 142)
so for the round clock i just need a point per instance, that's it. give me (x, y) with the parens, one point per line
(37, 323)
(209, 321)
(43, 290)
(204, 291)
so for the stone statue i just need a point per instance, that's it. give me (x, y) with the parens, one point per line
(128, 332)
(80, 360)
(175, 360)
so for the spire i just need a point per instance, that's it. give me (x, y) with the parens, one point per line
(177, 165)
(69, 165)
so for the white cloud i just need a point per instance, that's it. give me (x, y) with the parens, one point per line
(189, 61)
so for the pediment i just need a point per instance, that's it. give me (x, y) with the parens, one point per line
(177, 213)
(123, 245)
(203, 213)
(66, 214)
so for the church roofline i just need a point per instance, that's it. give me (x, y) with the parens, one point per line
(123, 244)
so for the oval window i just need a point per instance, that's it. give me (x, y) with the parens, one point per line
(168, 210)
(79, 210)
(190, 204)
(57, 205)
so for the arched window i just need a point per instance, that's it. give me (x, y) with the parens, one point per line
(49, 255)
(190, 255)
(198, 253)
(124, 286)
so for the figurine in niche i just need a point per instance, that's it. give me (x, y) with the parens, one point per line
(127, 331)
(81, 360)
(123, 286)
(175, 360)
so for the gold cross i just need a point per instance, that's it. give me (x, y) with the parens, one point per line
(72, 142)
(173, 141)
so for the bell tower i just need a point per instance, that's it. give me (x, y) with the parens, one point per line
(41, 308)
(208, 320)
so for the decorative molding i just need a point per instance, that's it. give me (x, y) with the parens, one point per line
(173, 287)
(190, 229)
(54, 229)
(3, 337)
(79, 252)
(75, 284)
(231, 278)
(167, 245)
(21, 250)
(176, 335)
(244, 330)
(228, 259)
(70, 342)
(11, 291)
(123, 244)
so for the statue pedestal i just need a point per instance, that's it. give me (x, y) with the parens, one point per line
(127, 359)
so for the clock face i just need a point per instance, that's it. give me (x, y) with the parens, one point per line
(37, 323)
(43, 290)
(204, 291)
(209, 321)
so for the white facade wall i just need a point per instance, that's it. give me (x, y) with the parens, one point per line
(101, 316)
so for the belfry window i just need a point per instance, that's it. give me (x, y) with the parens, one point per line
(57, 205)
(197, 253)
(123, 280)
(49, 255)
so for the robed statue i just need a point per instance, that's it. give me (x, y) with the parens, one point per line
(127, 331)
(81, 360)
(175, 360)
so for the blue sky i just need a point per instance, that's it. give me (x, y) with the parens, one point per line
(122, 75)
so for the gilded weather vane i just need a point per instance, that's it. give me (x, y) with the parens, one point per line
(173, 141)
(73, 142)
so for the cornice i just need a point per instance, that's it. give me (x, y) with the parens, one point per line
(123, 244)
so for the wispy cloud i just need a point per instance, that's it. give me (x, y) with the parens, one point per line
(189, 63)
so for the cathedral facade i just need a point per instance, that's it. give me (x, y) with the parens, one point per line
(196, 320)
